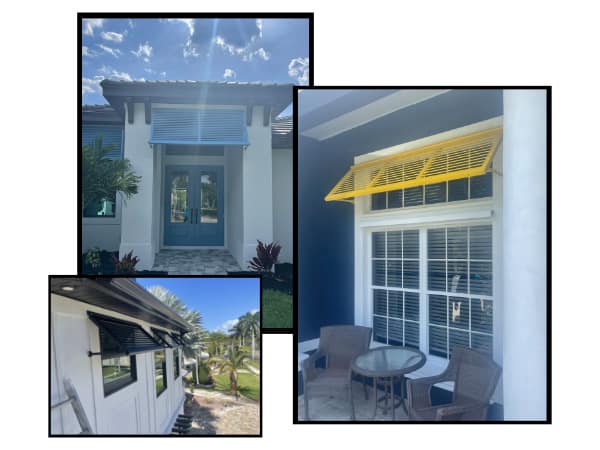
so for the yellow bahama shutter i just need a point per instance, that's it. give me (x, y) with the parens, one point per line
(461, 157)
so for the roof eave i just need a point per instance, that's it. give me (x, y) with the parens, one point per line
(277, 96)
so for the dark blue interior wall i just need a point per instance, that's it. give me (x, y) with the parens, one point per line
(326, 229)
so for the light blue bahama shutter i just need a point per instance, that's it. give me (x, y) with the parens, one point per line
(198, 126)
(111, 135)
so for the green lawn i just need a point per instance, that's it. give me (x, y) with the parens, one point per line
(254, 364)
(277, 309)
(248, 384)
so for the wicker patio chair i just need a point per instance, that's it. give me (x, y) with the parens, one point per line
(475, 377)
(338, 345)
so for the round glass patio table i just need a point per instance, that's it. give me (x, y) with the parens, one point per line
(386, 364)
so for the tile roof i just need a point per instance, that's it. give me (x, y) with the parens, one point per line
(192, 82)
(281, 128)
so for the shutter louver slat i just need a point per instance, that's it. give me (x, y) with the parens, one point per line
(119, 337)
(198, 126)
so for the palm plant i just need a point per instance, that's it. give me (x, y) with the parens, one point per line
(238, 331)
(195, 340)
(250, 326)
(234, 360)
(216, 342)
(103, 177)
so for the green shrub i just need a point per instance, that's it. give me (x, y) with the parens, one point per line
(203, 374)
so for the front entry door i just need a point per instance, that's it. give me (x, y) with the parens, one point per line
(194, 206)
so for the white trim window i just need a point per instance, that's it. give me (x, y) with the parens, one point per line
(432, 287)
(395, 284)
(460, 288)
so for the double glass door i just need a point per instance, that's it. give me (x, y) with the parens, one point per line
(193, 206)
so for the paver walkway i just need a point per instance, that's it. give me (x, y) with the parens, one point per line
(337, 407)
(195, 262)
(218, 413)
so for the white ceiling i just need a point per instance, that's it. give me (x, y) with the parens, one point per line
(400, 99)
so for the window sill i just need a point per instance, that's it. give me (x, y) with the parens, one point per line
(118, 387)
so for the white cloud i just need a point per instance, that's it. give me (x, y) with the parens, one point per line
(90, 24)
(298, 68)
(229, 73)
(131, 24)
(109, 72)
(112, 51)
(188, 22)
(112, 36)
(262, 54)
(190, 50)
(90, 85)
(246, 53)
(122, 76)
(227, 325)
(163, 74)
(85, 51)
(144, 51)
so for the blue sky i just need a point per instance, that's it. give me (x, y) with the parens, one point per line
(220, 300)
(266, 50)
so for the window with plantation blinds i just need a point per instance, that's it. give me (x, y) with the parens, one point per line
(395, 280)
(459, 288)
(451, 302)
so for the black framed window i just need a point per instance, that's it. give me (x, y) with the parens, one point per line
(118, 372)
(176, 363)
(444, 192)
(105, 207)
(160, 371)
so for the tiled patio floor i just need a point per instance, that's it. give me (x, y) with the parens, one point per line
(195, 262)
(338, 408)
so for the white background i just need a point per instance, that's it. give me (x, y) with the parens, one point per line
(374, 42)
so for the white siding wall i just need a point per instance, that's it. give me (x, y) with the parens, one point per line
(133, 409)
(283, 202)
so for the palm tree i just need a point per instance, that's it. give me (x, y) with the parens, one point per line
(249, 325)
(238, 331)
(103, 177)
(254, 329)
(216, 342)
(234, 360)
(194, 340)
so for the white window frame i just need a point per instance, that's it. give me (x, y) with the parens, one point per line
(450, 214)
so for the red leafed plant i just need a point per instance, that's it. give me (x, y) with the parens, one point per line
(266, 257)
(126, 264)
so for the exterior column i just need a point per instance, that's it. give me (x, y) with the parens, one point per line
(524, 255)
(137, 212)
(257, 176)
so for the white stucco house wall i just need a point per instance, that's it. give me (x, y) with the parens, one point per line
(215, 162)
(133, 386)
